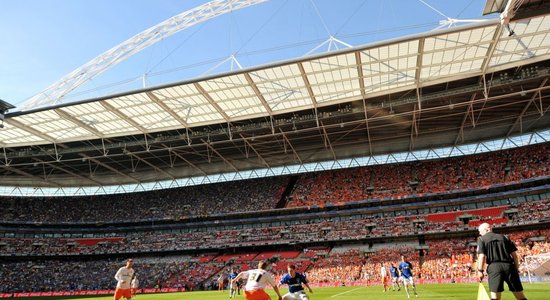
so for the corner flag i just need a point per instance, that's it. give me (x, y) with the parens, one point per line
(482, 293)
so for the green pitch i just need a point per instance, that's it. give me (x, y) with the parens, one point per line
(433, 291)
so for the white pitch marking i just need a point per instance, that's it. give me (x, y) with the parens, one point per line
(340, 294)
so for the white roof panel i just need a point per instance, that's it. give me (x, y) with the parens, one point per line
(19, 136)
(206, 118)
(390, 66)
(282, 86)
(333, 77)
(112, 127)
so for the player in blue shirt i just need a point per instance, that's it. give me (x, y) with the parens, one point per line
(405, 268)
(295, 281)
(394, 278)
(232, 287)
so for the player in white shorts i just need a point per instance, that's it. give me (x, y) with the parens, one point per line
(256, 283)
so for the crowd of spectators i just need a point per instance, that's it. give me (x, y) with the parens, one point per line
(338, 267)
(317, 230)
(533, 242)
(256, 194)
(391, 181)
(98, 274)
(449, 259)
(388, 181)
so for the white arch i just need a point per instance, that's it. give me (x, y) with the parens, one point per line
(54, 93)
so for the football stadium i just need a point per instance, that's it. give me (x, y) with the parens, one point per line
(365, 171)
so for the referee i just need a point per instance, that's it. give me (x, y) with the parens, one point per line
(499, 253)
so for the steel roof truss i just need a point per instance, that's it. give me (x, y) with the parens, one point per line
(218, 154)
(360, 74)
(149, 164)
(188, 162)
(414, 129)
(532, 100)
(247, 145)
(327, 142)
(469, 113)
(109, 167)
(67, 171)
(6, 160)
(286, 141)
(21, 172)
(309, 90)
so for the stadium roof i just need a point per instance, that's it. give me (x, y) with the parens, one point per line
(308, 83)
(478, 81)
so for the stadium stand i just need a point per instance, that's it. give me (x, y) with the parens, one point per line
(258, 194)
(314, 231)
(439, 176)
(313, 189)
(191, 252)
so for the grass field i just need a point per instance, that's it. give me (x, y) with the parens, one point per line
(441, 291)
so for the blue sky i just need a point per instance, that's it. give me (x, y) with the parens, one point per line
(43, 40)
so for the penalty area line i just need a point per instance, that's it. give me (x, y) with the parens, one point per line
(340, 294)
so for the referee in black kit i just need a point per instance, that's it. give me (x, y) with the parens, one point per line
(499, 253)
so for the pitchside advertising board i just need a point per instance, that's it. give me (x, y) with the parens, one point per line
(85, 293)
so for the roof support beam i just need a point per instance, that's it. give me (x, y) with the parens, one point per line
(264, 162)
(187, 161)
(418, 71)
(67, 171)
(418, 106)
(309, 90)
(289, 144)
(121, 115)
(258, 93)
(491, 50)
(532, 100)
(109, 167)
(78, 122)
(363, 95)
(6, 160)
(20, 172)
(469, 113)
(31, 130)
(167, 109)
(341, 135)
(150, 164)
(211, 101)
(360, 73)
(414, 129)
(367, 126)
(99, 163)
(221, 156)
(326, 140)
